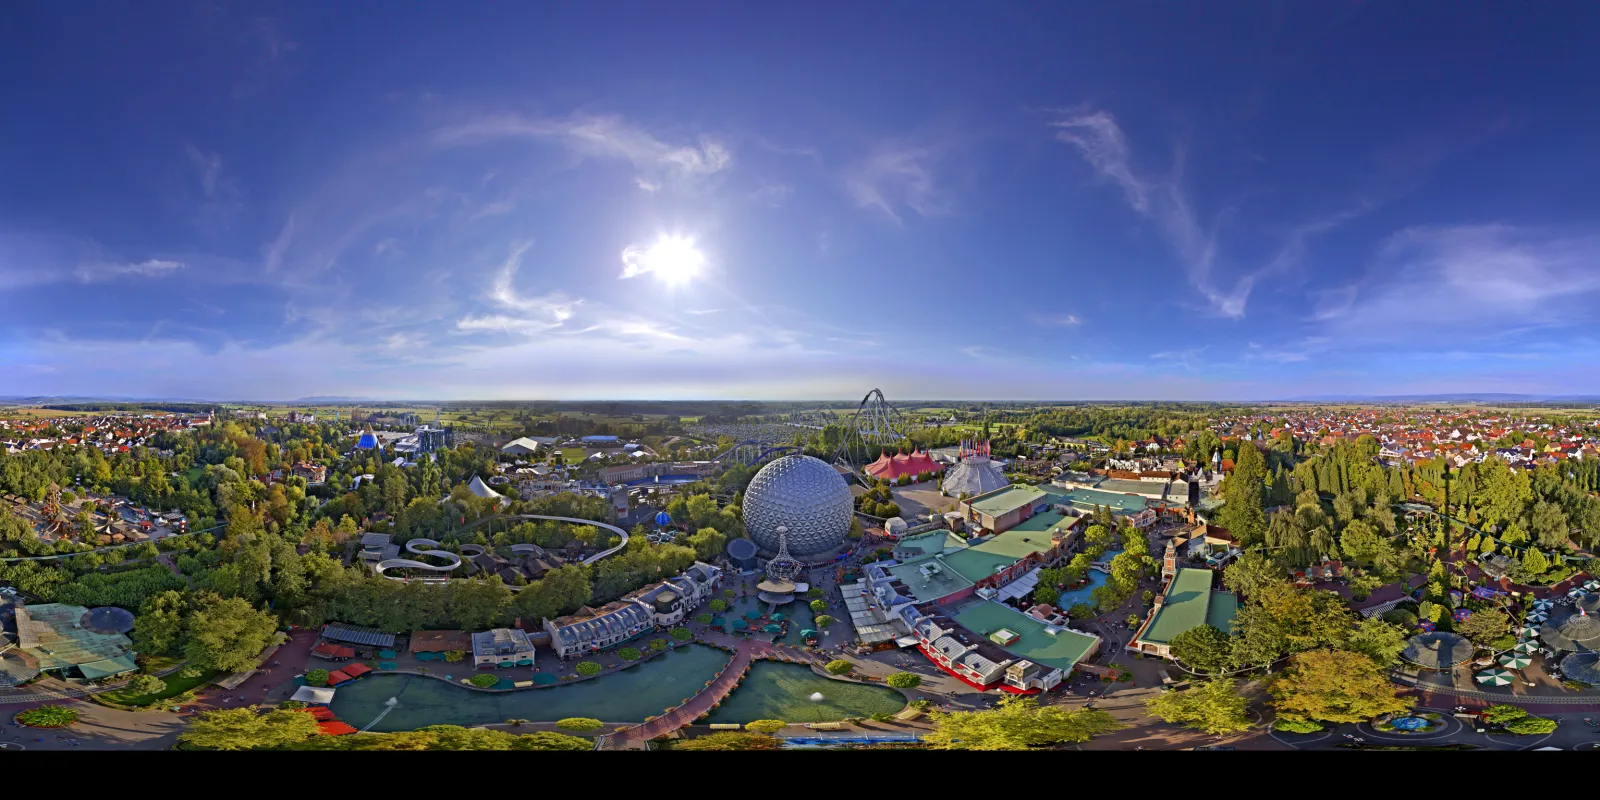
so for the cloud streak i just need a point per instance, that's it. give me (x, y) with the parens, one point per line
(895, 177)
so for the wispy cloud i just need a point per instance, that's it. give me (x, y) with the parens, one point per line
(771, 194)
(1101, 142)
(222, 196)
(1476, 280)
(893, 177)
(1055, 320)
(153, 268)
(532, 314)
(657, 164)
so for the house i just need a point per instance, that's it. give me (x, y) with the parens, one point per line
(1187, 602)
(377, 547)
(502, 647)
(314, 474)
(666, 603)
(1002, 509)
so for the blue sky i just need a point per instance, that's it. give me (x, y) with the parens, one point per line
(1034, 201)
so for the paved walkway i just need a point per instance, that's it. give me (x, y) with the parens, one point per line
(745, 653)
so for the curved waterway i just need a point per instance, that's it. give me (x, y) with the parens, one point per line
(773, 690)
(643, 691)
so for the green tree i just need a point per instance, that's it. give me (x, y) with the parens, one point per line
(1335, 686)
(1378, 640)
(904, 680)
(1361, 542)
(1531, 726)
(818, 606)
(146, 684)
(587, 668)
(730, 740)
(838, 667)
(1212, 707)
(580, 724)
(1016, 723)
(1503, 713)
(823, 620)
(1534, 562)
(317, 677)
(1203, 648)
(561, 591)
(766, 726)
(158, 628)
(1242, 512)
(1485, 626)
(227, 634)
(246, 729)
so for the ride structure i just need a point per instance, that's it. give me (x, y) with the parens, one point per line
(876, 425)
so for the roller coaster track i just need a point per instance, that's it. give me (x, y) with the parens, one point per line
(425, 547)
(762, 451)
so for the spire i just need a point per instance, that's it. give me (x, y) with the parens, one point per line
(783, 567)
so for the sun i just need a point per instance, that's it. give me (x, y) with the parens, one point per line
(673, 260)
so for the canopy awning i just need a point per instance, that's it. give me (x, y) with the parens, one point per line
(313, 694)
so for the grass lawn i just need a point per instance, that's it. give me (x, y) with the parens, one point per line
(194, 474)
(176, 685)
(573, 455)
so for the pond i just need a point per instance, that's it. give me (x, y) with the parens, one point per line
(1085, 593)
(628, 696)
(775, 690)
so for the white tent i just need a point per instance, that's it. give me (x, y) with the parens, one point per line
(314, 694)
(481, 489)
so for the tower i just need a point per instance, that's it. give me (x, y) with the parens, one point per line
(783, 567)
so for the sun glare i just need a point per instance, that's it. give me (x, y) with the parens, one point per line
(674, 260)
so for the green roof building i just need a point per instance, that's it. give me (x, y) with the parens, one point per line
(54, 637)
(1043, 644)
(1188, 602)
(1002, 509)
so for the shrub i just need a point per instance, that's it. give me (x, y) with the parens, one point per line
(814, 592)
(729, 593)
(579, 724)
(904, 680)
(818, 606)
(881, 717)
(48, 717)
(657, 645)
(681, 634)
(453, 656)
(703, 619)
(823, 620)
(190, 673)
(629, 654)
(146, 684)
(1503, 713)
(717, 606)
(317, 677)
(1298, 726)
(839, 667)
(483, 680)
(587, 668)
(1531, 726)
(767, 726)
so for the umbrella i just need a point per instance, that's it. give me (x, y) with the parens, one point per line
(1591, 585)
(1461, 614)
(773, 628)
(1526, 648)
(753, 613)
(1515, 661)
(386, 654)
(1427, 626)
(778, 616)
(1538, 616)
(1494, 677)
(1529, 632)
(740, 624)
(1575, 593)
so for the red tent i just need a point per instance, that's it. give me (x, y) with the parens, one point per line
(355, 670)
(337, 677)
(335, 728)
(333, 651)
(322, 713)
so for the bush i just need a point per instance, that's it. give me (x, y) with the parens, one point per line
(190, 673)
(48, 717)
(1297, 726)
(579, 724)
(1531, 726)
(717, 606)
(818, 606)
(483, 680)
(1503, 713)
(317, 677)
(823, 620)
(767, 726)
(629, 654)
(1505, 642)
(839, 667)
(703, 619)
(729, 593)
(587, 668)
(657, 645)
(146, 684)
(453, 656)
(904, 680)
(681, 634)
(814, 592)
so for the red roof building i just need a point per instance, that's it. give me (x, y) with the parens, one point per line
(355, 670)
(335, 728)
(333, 651)
(892, 468)
(337, 677)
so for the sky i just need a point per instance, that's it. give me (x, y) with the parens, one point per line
(562, 200)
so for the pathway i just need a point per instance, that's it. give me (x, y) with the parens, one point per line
(745, 653)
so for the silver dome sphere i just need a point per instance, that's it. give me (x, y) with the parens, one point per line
(804, 495)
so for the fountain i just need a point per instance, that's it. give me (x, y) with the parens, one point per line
(816, 697)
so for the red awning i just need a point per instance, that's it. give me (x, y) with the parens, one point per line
(337, 677)
(335, 728)
(322, 713)
(333, 651)
(355, 670)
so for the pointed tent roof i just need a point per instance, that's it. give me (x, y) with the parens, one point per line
(481, 489)
(1581, 631)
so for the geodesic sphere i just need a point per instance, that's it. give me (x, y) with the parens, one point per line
(806, 496)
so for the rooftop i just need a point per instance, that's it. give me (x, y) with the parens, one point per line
(981, 561)
(52, 633)
(1010, 498)
(1088, 498)
(936, 541)
(937, 581)
(1061, 650)
(1190, 603)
